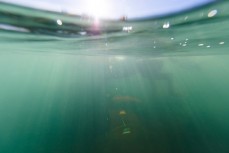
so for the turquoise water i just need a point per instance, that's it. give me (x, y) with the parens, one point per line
(153, 85)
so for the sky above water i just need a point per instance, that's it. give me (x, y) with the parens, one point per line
(113, 8)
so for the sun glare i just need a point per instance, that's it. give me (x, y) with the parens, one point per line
(98, 8)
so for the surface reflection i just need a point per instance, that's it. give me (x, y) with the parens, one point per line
(212, 13)
(59, 22)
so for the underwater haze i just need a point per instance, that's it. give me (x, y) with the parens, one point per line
(72, 84)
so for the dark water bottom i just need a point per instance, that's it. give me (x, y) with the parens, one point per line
(53, 103)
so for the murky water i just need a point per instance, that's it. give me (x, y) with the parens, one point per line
(70, 85)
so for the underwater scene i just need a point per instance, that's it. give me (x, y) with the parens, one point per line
(72, 84)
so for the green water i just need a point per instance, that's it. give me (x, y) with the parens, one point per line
(149, 89)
